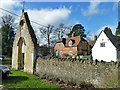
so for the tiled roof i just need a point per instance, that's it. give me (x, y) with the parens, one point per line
(114, 39)
(76, 40)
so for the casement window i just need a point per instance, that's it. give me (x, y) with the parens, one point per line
(70, 43)
(59, 45)
(102, 44)
(70, 52)
(56, 53)
(60, 53)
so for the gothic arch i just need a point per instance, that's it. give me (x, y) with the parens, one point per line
(21, 43)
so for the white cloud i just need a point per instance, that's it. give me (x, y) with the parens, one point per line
(92, 9)
(113, 29)
(115, 6)
(8, 5)
(43, 16)
(49, 16)
(91, 36)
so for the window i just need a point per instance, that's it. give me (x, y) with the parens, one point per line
(56, 53)
(60, 53)
(102, 44)
(21, 22)
(70, 43)
(70, 52)
(59, 45)
(85, 53)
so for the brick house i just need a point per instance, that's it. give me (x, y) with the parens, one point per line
(72, 46)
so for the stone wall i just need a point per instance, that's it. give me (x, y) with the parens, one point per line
(23, 36)
(71, 71)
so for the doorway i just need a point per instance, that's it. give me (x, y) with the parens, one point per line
(21, 54)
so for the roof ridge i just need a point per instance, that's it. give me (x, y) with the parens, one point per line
(30, 28)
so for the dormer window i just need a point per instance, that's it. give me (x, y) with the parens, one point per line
(70, 43)
(59, 45)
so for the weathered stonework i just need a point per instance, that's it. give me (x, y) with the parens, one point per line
(100, 74)
(24, 35)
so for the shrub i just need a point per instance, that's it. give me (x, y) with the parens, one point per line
(86, 57)
(65, 55)
(85, 85)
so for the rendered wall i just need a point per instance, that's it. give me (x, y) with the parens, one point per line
(107, 53)
(100, 74)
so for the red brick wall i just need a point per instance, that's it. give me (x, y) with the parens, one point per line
(65, 49)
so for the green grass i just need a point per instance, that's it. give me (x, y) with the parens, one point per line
(20, 79)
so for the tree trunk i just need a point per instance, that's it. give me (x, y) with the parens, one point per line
(48, 43)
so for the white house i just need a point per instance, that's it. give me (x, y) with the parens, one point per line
(106, 47)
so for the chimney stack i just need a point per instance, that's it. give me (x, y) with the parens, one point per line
(95, 38)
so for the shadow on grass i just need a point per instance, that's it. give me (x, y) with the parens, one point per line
(14, 79)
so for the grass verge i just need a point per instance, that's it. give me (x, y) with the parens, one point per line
(20, 79)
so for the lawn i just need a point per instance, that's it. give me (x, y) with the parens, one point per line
(20, 79)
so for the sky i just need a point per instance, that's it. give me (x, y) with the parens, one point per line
(94, 16)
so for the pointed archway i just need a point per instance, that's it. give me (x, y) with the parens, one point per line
(24, 51)
(21, 53)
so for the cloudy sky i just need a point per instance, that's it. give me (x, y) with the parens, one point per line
(94, 16)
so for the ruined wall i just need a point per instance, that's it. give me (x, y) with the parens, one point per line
(100, 74)
(29, 50)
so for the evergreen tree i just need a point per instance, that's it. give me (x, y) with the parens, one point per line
(78, 30)
(117, 29)
(108, 30)
(7, 32)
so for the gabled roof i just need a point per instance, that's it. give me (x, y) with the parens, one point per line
(63, 40)
(76, 40)
(31, 31)
(114, 39)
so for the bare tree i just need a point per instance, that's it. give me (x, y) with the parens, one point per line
(46, 33)
(62, 30)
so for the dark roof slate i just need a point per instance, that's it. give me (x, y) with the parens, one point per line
(114, 39)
